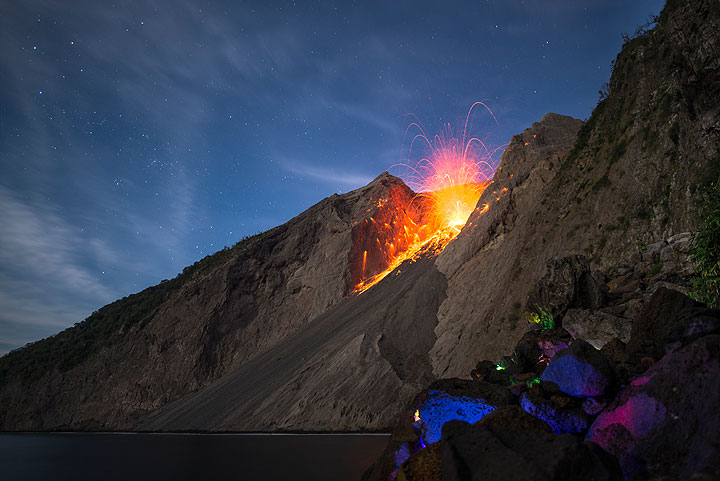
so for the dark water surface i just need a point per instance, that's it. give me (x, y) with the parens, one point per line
(187, 456)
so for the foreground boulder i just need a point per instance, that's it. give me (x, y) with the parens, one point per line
(457, 399)
(666, 422)
(670, 319)
(596, 327)
(420, 425)
(491, 452)
(568, 283)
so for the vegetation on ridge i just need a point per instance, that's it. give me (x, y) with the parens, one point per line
(706, 248)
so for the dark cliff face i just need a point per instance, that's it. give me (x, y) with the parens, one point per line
(262, 336)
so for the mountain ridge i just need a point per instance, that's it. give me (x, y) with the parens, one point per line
(629, 180)
(200, 310)
(624, 179)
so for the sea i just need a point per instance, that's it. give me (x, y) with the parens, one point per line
(140, 456)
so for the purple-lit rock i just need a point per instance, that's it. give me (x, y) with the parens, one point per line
(666, 421)
(550, 347)
(580, 370)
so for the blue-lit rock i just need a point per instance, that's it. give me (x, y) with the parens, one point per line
(580, 371)
(572, 420)
(461, 399)
(440, 407)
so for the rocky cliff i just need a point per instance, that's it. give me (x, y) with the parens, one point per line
(265, 336)
(628, 181)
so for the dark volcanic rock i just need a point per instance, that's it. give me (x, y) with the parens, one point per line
(592, 406)
(670, 320)
(614, 351)
(567, 283)
(596, 327)
(581, 370)
(482, 370)
(495, 453)
(514, 418)
(527, 351)
(551, 345)
(444, 400)
(425, 465)
(666, 422)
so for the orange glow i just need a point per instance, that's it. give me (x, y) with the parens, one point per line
(449, 181)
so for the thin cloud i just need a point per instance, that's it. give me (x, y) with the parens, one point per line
(35, 240)
(44, 283)
(368, 115)
(326, 174)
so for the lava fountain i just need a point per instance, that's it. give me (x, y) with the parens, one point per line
(447, 182)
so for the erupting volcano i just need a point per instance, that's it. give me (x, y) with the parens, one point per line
(449, 179)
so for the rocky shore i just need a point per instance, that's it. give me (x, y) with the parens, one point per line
(618, 377)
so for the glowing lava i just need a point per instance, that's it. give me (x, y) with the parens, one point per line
(450, 179)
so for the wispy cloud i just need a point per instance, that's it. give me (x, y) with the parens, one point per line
(26, 304)
(326, 174)
(363, 113)
(36, 240)
(45, 280)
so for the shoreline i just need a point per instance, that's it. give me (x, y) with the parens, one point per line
(204, 433)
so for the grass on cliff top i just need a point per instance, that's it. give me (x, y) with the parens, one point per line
(105, 326)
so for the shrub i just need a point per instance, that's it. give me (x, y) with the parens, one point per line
(655, 269)
(706, 248)
(542, 318)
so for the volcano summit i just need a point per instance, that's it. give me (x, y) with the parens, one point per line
(270, 334)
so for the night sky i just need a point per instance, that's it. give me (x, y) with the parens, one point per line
(138, 137)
